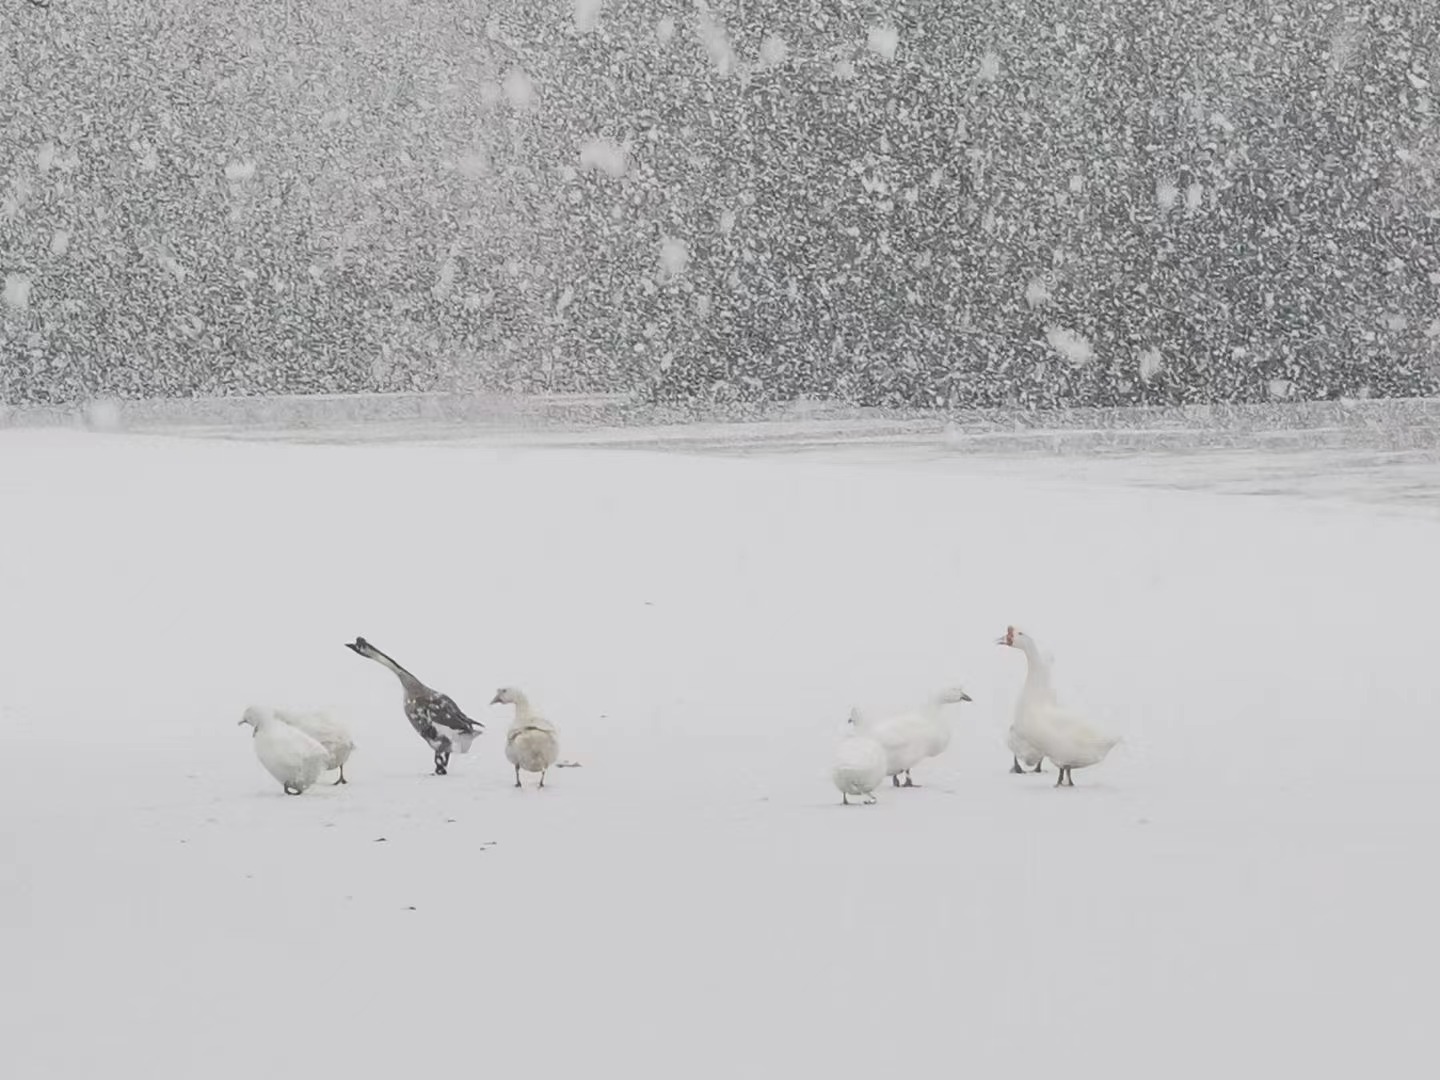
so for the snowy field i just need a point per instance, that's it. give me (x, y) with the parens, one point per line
(1246, 887)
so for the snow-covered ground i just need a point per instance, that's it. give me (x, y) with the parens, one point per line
(1247, 887)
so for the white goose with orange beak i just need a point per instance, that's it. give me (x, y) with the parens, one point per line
(1042, 727)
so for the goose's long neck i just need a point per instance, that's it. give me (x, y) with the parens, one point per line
(523, 709)
(1037, 672)
(410, 682)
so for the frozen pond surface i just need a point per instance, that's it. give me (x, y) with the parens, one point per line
(693, 900)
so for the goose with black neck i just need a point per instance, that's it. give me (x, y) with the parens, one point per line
(434, 716)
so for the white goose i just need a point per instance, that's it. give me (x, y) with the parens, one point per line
(1043, 725)
(1022, 753)
(288, 754)
(910, 737)
(532, 743)
(859, 766)
(328, 732)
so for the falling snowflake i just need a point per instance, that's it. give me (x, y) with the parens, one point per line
(883, 41)
(587, 14)
(1037, 292)
(445, 279)
(1167, 194)
(1150, 363)
(60, 242)
(17, 291)
(773, 50)
(1194, 196)
(989, 66)
(519, 90)
(604, 154)
(674, 255)
(103, 414)
(717, 43)
(665, 30)
(473, 164)
(1072, 346)
(237, 172)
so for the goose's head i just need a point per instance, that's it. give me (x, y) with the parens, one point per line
(363, 648)
(953, 695)
(256, 716)
(1016, 639)
(507, 695)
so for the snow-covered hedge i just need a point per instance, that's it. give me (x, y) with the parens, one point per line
(991, 204)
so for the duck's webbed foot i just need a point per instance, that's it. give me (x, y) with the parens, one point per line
(1015, 766)
(291, 789)
(908, 781)
(517, 775)
(1039, 766)
(441, 762)
(895, 780)
(870, 798)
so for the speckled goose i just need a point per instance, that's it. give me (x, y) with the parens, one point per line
(434, 716)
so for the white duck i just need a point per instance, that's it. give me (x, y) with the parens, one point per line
(532, 743)
(288, 754)
(328, 732)
(910, 737)
(1041, 723)
(860, 765)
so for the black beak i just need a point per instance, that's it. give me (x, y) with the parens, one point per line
(354, 646)
(966, 697)
(496, 700)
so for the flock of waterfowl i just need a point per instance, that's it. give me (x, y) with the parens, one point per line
(891, 745)
(296, 748)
